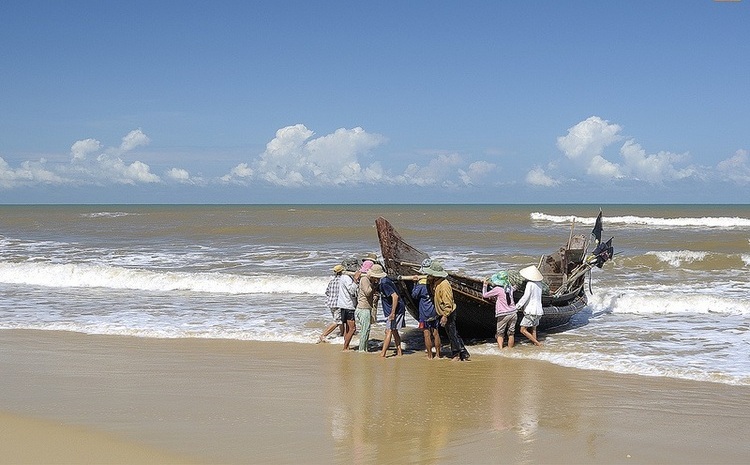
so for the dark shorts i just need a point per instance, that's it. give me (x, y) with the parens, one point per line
(347, 314)
(432, 324)
(396, 323)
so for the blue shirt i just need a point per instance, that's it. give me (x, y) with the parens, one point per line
(388, 288)
(426, 307)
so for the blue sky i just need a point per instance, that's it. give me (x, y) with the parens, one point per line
(375, 102)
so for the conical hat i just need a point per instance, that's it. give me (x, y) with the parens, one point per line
(376, 271)
(532, 273)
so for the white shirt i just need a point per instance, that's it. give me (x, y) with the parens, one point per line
(532, 299)
(347, 292)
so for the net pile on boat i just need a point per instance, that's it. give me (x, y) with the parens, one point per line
(519, 282)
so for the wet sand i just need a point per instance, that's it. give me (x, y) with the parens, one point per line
(216, 401)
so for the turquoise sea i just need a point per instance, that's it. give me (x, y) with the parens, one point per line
(674, 302)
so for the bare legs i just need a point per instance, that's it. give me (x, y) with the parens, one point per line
(438, 343)
(329, 330)
(387, 342)
(530, 335)
(431, 334)
(427, 342)
(348, 333)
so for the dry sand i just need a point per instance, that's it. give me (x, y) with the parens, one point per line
(131, 400)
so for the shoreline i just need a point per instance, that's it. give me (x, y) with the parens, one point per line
(235, 401)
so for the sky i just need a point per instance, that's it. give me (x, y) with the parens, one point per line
(293, 102)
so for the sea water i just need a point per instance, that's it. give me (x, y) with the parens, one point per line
(673, 302)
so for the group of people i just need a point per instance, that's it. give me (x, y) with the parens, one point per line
(506, 309)
(353, 297)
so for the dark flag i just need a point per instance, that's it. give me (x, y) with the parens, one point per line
(603, 252)
(597, 231)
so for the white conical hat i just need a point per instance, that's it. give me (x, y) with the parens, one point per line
(532, 273)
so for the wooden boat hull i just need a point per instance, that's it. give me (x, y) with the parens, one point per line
(475, 316)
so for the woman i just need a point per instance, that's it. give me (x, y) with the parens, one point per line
(367, 299)
(531, 302)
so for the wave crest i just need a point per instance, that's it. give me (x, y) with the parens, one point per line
(698, 222)
(114, 277)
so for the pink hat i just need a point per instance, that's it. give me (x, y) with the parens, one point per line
(366, 265)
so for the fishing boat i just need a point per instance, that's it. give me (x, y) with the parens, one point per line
(564, 274)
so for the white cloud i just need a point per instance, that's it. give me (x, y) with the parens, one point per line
(737, 167)
(537, 177)
(108, 166)
(29, 173)
(601, 167)
(180, 175)
(239, 174)
(294, 158)
(588, 139)
(133, 139)
(654, 168)
(585, 145)
(438, 171)
(113, 169)
(477, 172)
(81, 148)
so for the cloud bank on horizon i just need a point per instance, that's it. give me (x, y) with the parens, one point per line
(296, 158)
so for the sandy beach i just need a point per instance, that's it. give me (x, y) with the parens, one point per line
(73, 398)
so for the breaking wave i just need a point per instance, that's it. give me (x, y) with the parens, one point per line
(706, 222)
(677, 258)
(668, 301)
(114, 277)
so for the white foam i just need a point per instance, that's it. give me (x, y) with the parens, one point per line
(678, 257)
(559, 351)
(106, 214)
(671, 301)
(706, 221)
(114, 277)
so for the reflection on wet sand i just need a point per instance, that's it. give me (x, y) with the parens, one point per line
(418, 410)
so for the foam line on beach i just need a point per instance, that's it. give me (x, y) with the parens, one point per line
(618, 364)
(88, 275)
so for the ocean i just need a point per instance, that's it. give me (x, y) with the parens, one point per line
(673, 302)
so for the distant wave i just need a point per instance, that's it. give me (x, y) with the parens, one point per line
(113, 277)
(677, 258)
(707, 222)
(106, 214)
(688, 259)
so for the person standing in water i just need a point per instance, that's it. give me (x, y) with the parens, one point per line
(428, 317)
(531, 302)
(442, 297)
(367, 299)
(348, 304)
(332, 302)
(505, 308)
(394, 308)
